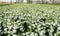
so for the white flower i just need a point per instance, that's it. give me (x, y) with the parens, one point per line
(29, 26)
(21, 28)
(24, 14)
(0, 21)
(39, 29)
(9, 32)
(42, 33)
(15, 17)
(15, 35)
(36, 34)
(5, 17)
(27, 33)
(8, 20)
(51, 29)
(33, 25)
(18, 20)
(28, 15)
(15, 26)
(9, 27)
(32, 34)
(38, 26)
(5, 29)
(8, 35)
(14, 31)
(8, 23)
(58, 28)
(4, 25)
(24, 34)
(36, 30)
(54, 34)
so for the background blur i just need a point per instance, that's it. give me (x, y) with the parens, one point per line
(30, 1)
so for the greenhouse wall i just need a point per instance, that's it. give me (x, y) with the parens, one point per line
(32, 1)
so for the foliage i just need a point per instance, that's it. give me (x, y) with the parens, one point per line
(30, 19)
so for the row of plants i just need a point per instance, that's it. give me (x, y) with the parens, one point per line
(30, 20)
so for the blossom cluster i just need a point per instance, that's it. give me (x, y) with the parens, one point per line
(29, 21)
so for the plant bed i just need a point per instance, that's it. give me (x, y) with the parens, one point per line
(30, 20)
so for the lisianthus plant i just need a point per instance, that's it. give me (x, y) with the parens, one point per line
(29, 20)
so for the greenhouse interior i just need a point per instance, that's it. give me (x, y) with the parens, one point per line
(29, 17)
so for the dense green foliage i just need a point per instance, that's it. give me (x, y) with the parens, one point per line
(30, 19)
